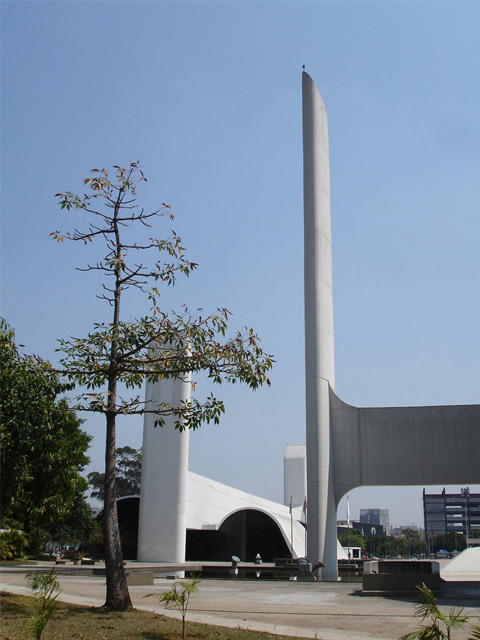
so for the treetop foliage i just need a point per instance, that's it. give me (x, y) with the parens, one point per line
(163, 344)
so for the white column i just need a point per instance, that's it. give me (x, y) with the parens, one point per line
(294, 474)
(319, 352)
(163, 504)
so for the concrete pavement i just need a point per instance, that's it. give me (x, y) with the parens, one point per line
(327, 611)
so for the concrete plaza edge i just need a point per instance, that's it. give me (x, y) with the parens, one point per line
(327, 611)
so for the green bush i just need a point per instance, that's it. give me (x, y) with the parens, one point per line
(12, 544)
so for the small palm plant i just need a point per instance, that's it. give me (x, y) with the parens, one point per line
(41, 605)
(437, 625)
(178, 597)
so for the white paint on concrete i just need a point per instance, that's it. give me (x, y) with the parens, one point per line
(464, 567)
(210, 503)
(404, 445)
(346, 447)
(294, 474)
(349, 447)
(319, 350)
(163, 498)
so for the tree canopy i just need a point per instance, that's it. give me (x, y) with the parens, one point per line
(78, 527)
(43, 449)
(352, 538)
(163, 345)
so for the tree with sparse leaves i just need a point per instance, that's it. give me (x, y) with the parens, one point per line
(121, 354)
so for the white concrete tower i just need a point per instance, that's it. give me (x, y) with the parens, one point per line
(294, 474)
(319, 353)
(162, 521)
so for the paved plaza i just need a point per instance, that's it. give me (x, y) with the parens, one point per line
(327, 611)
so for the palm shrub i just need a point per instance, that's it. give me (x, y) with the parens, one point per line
(435, 624)
(41, 604)
(6, 552)
(12, 543)
(178, 597)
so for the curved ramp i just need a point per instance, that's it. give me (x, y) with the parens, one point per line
(465, 567)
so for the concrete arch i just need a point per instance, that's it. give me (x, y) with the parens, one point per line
(372, 446)
(253, 508)
(133, 495)
(252, 531)
(119, 499)
(284, 524)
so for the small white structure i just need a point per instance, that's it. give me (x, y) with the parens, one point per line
(350, 553)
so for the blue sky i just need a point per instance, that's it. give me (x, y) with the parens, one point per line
(208, 96)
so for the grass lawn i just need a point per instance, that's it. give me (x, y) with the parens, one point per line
(14, 563)
(96, 623)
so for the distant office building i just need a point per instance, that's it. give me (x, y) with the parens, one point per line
(375, 516)
(365, 528)
(444, 512)
(399, 531)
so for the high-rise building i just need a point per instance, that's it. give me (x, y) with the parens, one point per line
(375, 516)
(444, 512)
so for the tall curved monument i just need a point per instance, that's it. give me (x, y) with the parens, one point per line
(349, 447)
(346, 447)
(319, 353)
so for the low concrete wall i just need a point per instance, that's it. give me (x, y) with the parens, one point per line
(136, 578)
(400, 576)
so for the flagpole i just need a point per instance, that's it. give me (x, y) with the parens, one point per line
(348, 528)
(291, 525)
(305, 520)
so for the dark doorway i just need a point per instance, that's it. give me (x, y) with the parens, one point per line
(128, 510)
(249, 532)
(206, 545)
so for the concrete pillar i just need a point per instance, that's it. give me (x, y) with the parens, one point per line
(319, 352)
(163, 504)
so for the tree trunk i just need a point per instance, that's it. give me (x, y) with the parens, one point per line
(118, 597)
